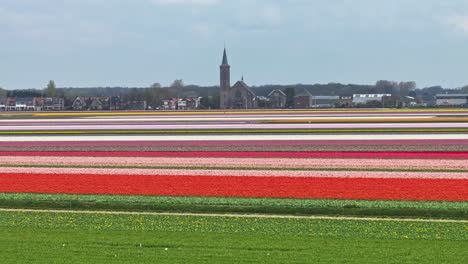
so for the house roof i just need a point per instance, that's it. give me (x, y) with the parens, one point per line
(452, 95)
(276, 90)
(303, 92)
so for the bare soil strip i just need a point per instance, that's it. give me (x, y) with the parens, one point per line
(237, 215)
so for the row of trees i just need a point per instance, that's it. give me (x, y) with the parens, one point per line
(394, 88)
(156, 93)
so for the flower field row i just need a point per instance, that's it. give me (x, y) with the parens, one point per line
(295, 141)
(239, 186)
(341, 163)
(221, 162)
(235, 126)
(279, 154)
(244, 172)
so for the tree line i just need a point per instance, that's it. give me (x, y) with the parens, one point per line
(156, 93)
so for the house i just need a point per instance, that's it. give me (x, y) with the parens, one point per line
(79, 104)
(302, 99)
(362, 99)
(277, 99)
(181, 104)
(170, 104)
(136, 105)
(10, 104)
(263, 102)
(193, 102)
(3, 103)
(345, 101)
(25, 104)
(91, 103)
(99, 103)
(115, 103)
(53, 104)
(39, 103)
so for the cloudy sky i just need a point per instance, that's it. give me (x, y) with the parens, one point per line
(139, 42)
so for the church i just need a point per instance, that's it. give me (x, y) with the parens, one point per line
(239, 96)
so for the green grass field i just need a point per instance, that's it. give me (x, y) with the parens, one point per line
(41, 237)
(453, 210)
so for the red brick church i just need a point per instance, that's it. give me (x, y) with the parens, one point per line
(239, 96)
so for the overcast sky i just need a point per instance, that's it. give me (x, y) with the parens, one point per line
(138, 42)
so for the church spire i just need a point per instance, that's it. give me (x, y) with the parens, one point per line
(225, 60)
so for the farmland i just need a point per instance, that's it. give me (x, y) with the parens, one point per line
(169, 238)
(220, 185)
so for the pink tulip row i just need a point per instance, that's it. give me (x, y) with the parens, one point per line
(307, 163)
(386, 142)
(248, 173)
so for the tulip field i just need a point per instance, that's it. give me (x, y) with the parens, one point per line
(310, 182)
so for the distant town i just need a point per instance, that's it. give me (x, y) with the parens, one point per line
(383, 94)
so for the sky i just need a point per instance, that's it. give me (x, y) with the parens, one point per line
(134, 43)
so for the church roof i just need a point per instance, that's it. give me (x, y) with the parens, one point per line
(244, 85)
(225, 60)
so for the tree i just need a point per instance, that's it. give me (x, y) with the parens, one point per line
(406, 87)
(210, 102)
(387, 87)
(465, 89)
(51, 89)
(178, 85)
(3, 92)
(290, 93)
(153, 95)
(156, 86)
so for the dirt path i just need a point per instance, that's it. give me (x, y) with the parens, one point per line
(237, 215)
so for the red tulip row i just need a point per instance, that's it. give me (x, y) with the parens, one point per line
(239, 186)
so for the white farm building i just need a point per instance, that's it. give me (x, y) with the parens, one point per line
(452, 100)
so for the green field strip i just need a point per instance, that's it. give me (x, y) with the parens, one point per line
(303, 227)
(227, 168)
(83, 238)
(411, 209)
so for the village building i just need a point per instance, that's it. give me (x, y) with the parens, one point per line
(3, 103)
(170, 104)
(136, 105)
(452, 100)
(25, 104)
(193, 102)
(53, 104)
(277, 99)
(79, 104)
(239, 96)
(31, 104)
(302, 99)
(95, 103)
(362, 99)
(345, 101)
(115, 103)
(323, 101)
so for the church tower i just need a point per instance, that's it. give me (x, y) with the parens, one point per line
(225, 81)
